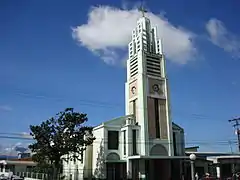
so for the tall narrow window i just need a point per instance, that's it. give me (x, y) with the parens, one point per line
(134, 141)
(113, 140)
(174, 144)
(134, 107)
(124, 142)
(156, 107)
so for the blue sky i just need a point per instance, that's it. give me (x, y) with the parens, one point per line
(50, 62)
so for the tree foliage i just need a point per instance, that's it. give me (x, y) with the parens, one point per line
(62, 137)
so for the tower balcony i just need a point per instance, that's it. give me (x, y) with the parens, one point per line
(130, 120)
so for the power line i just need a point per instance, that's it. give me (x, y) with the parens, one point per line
(15, 134)
(236, 126)
(81, 101)
(224, 142)
(19, 138)
(22, 136)
(28, 136)
(91, 103)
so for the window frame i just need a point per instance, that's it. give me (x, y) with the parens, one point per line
(111, 143)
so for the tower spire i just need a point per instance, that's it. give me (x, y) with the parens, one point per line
(142, 9)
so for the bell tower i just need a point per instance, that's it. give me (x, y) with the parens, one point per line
(146, 89)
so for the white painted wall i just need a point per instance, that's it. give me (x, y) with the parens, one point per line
(142, 111)
(180, 145)
(100, 149)
(98, 155)
(74, 169)
(120, 146)
(77, 169)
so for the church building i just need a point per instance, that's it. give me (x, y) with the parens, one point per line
(144, 143)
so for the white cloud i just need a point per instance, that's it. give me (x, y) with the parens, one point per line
(14, 149)
(221, 37)
(108, 29)
(5, 108)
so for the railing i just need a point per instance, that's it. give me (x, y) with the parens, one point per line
(31, 175)
(130, 120)
(68, 175)
(41, 176)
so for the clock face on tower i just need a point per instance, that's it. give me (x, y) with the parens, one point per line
(155, 88)
(133, 90)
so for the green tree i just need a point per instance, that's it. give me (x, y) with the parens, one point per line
(62, 137)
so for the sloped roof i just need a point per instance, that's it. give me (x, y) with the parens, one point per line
(177, 127)
(119, 121)
(22, 159)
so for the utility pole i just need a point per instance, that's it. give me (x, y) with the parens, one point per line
(236, 126)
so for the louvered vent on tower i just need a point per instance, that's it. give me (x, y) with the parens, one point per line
(153, 64)
(133, 66)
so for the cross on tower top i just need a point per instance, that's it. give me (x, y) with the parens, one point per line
(143, 10)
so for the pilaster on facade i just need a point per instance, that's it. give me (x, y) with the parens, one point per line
(147, 88)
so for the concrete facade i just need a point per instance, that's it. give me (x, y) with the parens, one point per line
(226, 165)
(135, 145)
(218, 164)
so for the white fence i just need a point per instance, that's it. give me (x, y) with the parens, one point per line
(31, 175)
